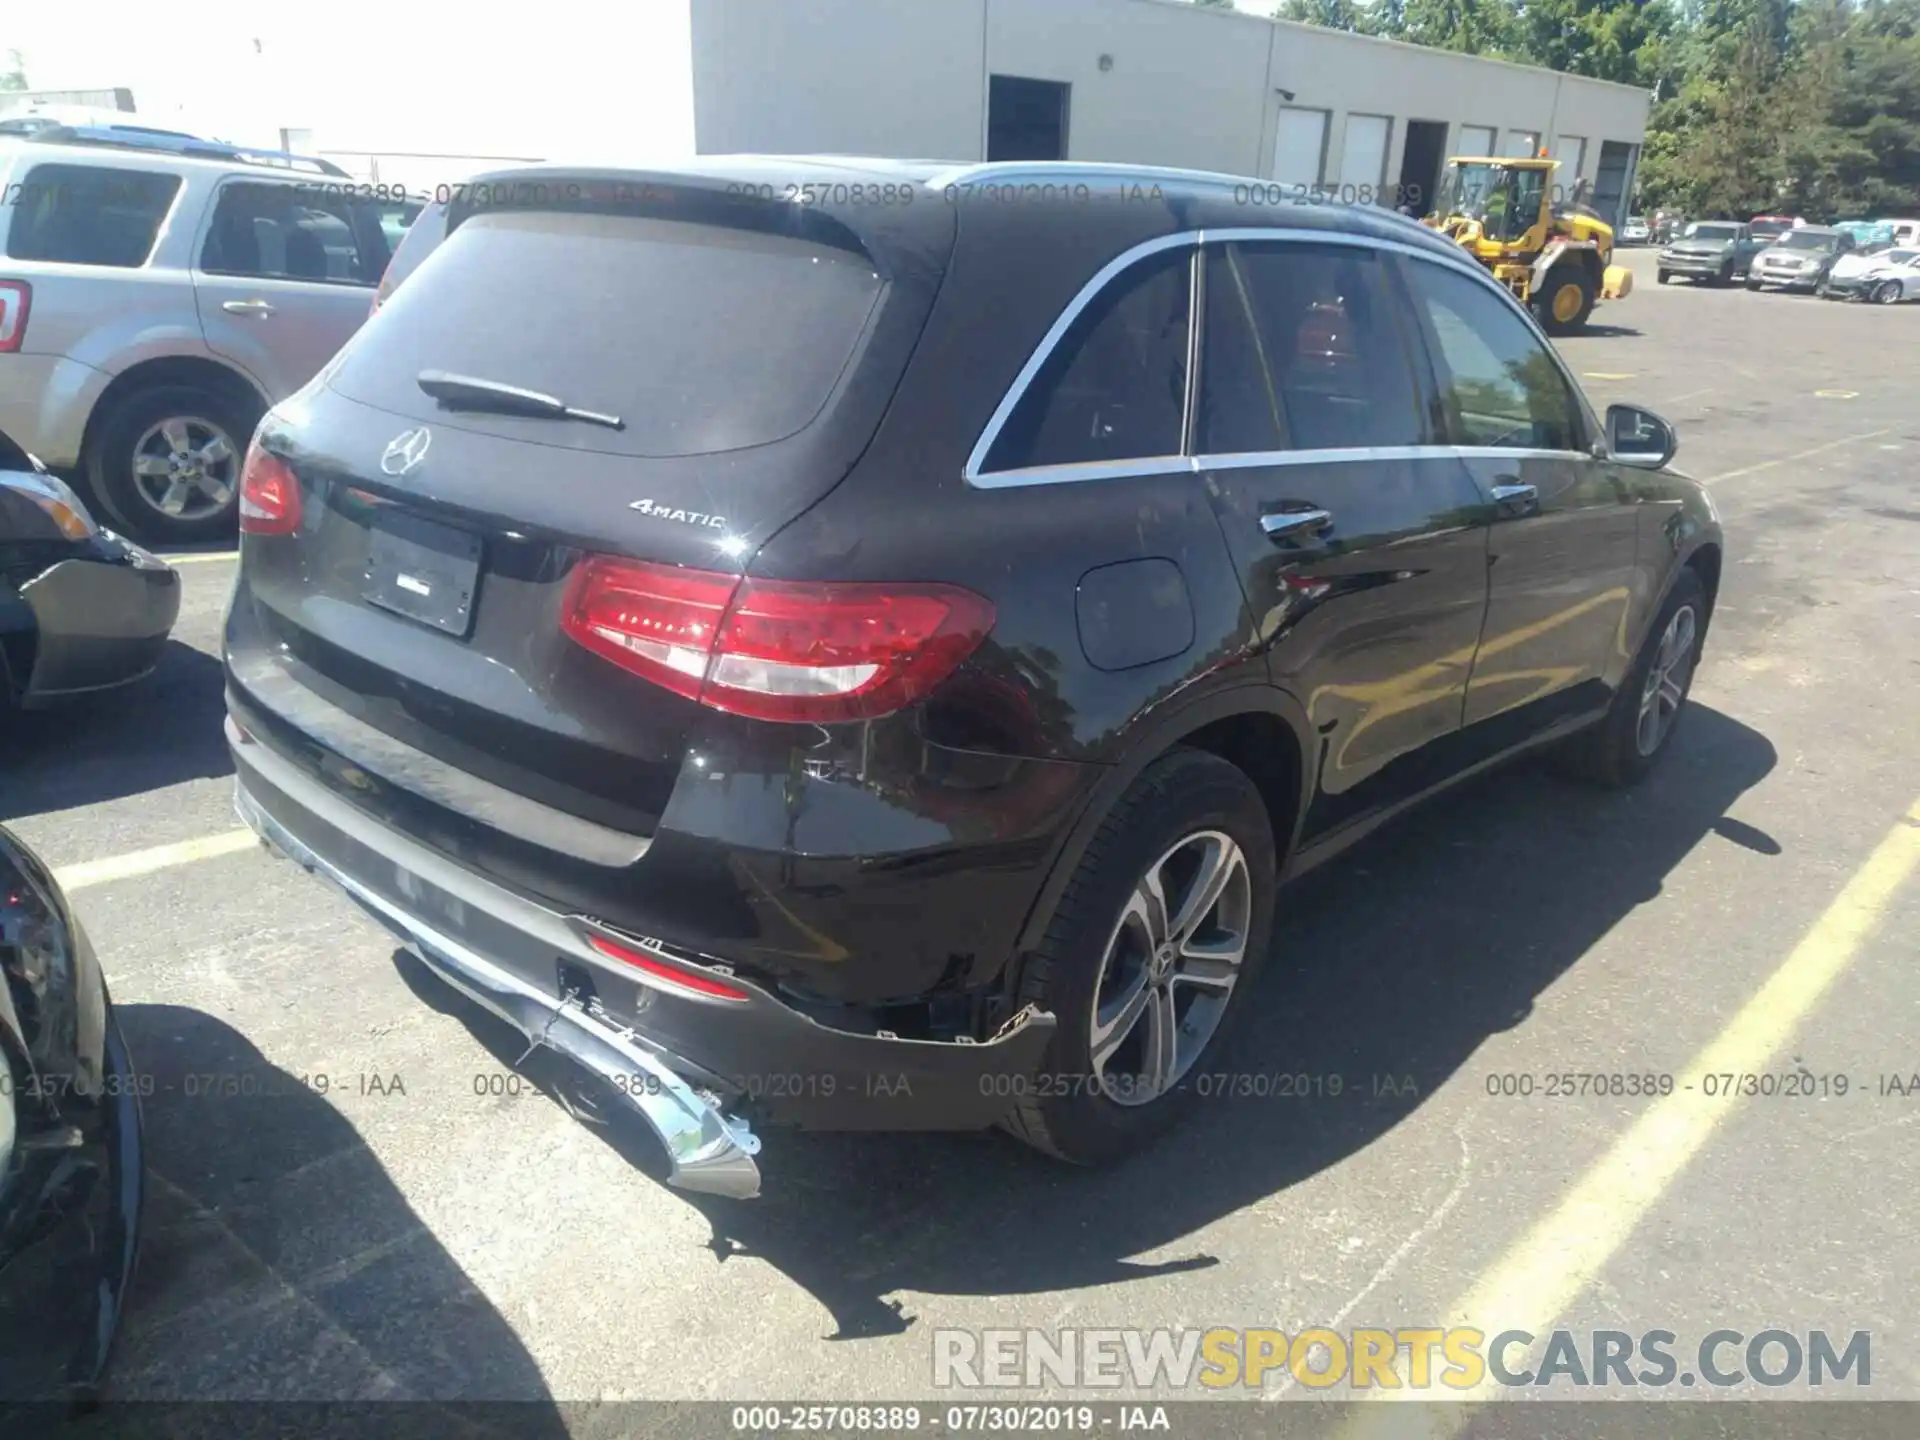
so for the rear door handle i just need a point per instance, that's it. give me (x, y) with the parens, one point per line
(1514, 496)
(246, 307)
(1295, 526)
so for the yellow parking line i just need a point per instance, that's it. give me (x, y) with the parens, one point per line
(160, 857)
(1541, 1275)
(1789, 459)
(201, 558)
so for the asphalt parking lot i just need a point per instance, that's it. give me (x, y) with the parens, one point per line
(433, 1227)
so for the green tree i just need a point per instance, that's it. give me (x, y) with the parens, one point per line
(1333, 14)
(13, 76)
(1473, 27)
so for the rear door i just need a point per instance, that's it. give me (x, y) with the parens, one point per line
(283, 275)
(1361, 546)
(1562, 546)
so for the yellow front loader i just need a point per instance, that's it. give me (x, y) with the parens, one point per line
(1552, 252)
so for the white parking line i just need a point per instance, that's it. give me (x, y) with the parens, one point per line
(160, 857)
(1801, 455)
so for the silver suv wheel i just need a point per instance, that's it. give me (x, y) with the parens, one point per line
(1170, 967)
(186, 467)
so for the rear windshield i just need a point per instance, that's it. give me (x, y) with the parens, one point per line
(88, 215)
(1809, 240)
(700, 338)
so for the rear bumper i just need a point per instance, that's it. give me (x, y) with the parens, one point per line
(693, 1067)
(103, 620)
(1695, 265)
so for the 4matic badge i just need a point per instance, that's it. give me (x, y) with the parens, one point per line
(679, 517)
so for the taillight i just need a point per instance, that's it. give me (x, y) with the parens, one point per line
(16, 299)
(775, 649)
(269, 495)
(665, 973)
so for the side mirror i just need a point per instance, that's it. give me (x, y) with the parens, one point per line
(1639, 437)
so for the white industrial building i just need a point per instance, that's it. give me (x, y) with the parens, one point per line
(1147, 81)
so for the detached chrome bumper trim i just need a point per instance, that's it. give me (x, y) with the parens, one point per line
(710, 1151)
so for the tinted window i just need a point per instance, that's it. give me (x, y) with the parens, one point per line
(1809, 240)
(284, 232)
(700, 338)
(1713, 232)
(416, 242)
(1114, 386)
(1499, 385)
(81, 215)
(1301, 353)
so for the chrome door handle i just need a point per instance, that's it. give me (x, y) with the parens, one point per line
(246, 307)
(1516, 497)
(1296, 524)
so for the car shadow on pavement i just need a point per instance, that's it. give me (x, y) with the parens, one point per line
(1398, 960)
(160, 731)
(279, 1262)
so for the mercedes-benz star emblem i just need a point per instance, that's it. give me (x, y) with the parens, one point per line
(406, 450)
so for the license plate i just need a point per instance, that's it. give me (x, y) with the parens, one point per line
(424, 570)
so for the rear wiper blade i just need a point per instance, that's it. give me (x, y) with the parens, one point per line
(466, 392)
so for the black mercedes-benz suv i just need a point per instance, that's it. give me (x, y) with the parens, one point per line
(858, 643)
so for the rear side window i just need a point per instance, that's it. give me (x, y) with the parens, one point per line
(1301, 353)
(1115, 386)
(85, 215)
(700, 338)
(286, 232)
(1499, 385)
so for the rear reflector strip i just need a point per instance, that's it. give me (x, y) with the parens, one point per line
(667, 976)
(16, 299)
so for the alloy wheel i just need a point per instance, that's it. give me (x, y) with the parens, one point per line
(1666, 688)
(1170, 967)
(1887, 292)
(185, 467)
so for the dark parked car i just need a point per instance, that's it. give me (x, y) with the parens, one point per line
(1720, 251)
(1800, 259)
(868, 662)
(70, 1168)
(80, 609)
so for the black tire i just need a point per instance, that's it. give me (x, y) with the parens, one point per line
(110, 460)
(1752, 284)
(1613, 753)
(1664, 276)
(1064, 1109)
(1725, 277)
(1887, 292)
(1560, 278)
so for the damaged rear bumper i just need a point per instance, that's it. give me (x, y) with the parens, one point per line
(689, 1066)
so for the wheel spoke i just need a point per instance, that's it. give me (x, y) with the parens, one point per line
(215, 489)
(175, 431)
(1160, 1061)
(1218, 858)
(1670, 691)
(216, 451)
(1212, 967)
(1113, 1023)
(175, 500)
(155, 466)
(1151, 900)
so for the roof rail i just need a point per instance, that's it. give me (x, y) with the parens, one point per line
(991, 171)
(172, 142)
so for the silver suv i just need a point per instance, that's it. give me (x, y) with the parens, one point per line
(157, 294)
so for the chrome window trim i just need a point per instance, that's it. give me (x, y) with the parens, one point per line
(974, 472)
(1084, 470)
(1247, 460)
